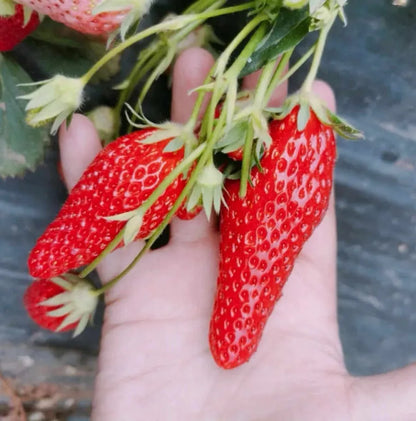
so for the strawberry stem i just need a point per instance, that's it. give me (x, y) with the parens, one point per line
(246, 164)
(218, 69)
(234, 70)
(174, 24)
(145, 63)
(166, 52)
(319, 50)
(277, 78)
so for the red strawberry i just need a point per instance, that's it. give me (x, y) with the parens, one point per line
(13, 30)
(184, 214)
(78, 15)
(120, 179)
(236, 155)
(262, 234)
(60, 304)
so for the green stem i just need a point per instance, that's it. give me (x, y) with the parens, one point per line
(198, 104)
(143, 65)
(319, 50)
(237, 40)
(169, 55)
(277, 78)
(263, 83)
(246, 164)
(216, 70)
(175, 23)
(234, 70)
(198, 6)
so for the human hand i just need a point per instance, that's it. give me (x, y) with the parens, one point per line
(155, 362)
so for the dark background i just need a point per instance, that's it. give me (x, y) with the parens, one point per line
(371, 66)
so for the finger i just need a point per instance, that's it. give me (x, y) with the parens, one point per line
(325, 93)
(196, 229)
(189, 72)
(79, 144)
(389, 396)
(279, 94)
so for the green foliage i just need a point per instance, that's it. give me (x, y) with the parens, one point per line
(21, 147)
(288, 30)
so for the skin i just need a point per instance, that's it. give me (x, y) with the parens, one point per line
(154, 361)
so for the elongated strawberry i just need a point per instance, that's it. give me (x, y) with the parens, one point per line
(61, 304)
(262, 234)
(119, 180)
(13, 28)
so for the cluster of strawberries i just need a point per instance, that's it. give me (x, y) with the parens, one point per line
(262, 231)
(261, 234)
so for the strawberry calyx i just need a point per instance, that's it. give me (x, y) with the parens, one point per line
(208, 190)
(312, 102)
(73, 307)
(56, 99)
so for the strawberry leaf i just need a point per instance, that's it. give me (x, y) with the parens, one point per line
(289, 29)
(21, 147)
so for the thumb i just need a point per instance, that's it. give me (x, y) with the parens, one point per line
(385, 397)
(78, 144)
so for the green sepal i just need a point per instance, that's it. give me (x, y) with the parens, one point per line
(132, 228)
(303, 116)
(338, 124)
(234, 138)
(174, 145)
(343, 128)
(314, 5)
(7, 8)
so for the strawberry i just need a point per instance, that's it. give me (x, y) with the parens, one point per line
(60, 304)
(262, 233)
(13, 29)
(236, 155)
(78, 15)
(119, 180)
(187, 215)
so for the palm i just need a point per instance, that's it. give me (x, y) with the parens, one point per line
(157, 353)
(155, 362)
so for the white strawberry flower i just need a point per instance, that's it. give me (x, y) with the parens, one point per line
(56, 99)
